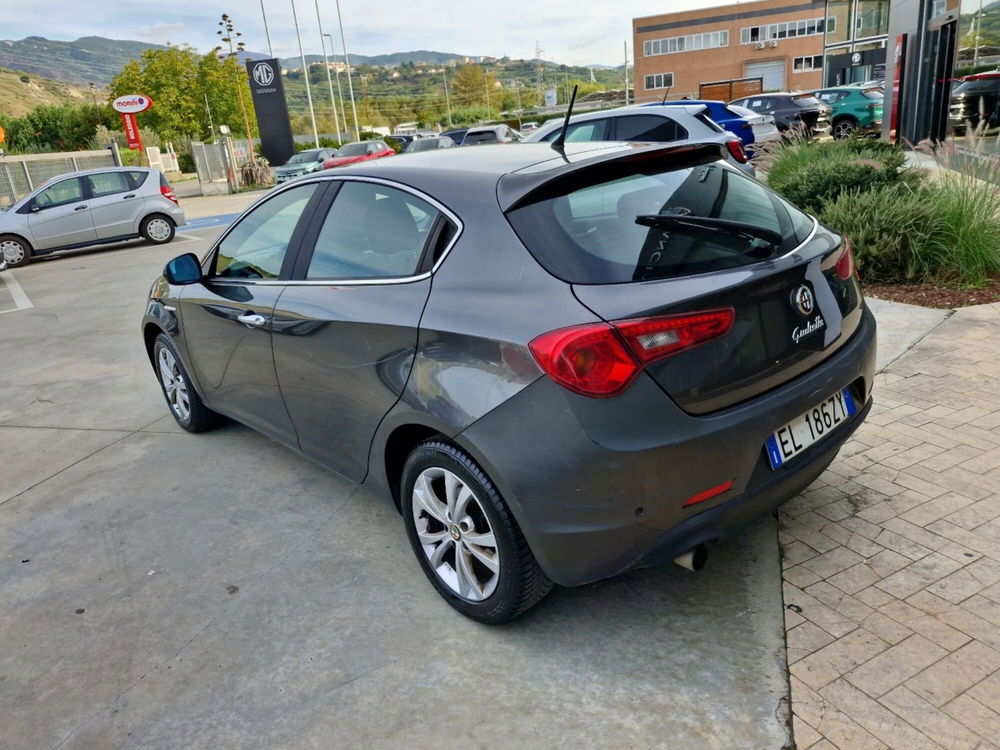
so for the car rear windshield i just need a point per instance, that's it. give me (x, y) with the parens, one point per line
(484, 136)
(806, 102)
(584, 230)
(978, 85)
(354, 149)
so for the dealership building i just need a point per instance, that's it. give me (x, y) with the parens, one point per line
(780, 41)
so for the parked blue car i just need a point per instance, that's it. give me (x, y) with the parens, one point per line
(719, 112)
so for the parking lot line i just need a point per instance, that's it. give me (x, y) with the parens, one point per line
(21, 301)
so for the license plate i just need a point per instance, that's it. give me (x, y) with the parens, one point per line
(814, 425)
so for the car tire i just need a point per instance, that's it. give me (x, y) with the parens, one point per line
(843, 129)
(158, 229)
(183, 400)
(440, 533)
(14, 250)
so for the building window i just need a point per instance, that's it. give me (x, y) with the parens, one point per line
(872, 18)
(690, 43)
(784, 30)
(840, 12)
(659, 81)
(807, 63)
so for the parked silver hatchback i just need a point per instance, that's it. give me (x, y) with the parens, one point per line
(95, 207)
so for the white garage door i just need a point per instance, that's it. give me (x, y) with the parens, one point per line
(772, 71)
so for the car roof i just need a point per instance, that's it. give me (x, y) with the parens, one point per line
(464, 178)
(683, 102)
(634, 109)
(484, 128)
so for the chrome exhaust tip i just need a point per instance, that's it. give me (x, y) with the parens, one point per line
(693, 559)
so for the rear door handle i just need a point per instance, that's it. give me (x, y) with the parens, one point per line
(80, 208)
(130, 195)
(252, 319)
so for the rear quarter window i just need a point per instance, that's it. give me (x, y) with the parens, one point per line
(136, 178)
(648, 128)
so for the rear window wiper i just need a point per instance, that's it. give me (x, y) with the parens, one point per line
(750, 231)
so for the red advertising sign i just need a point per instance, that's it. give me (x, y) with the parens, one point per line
(131, 131)
(898, 80)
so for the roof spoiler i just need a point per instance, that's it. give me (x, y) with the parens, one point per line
(517, 188)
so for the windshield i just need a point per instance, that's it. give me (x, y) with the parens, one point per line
(354, 149)
(304, 157)
(805, 101)
(588, 233)
(481, 136)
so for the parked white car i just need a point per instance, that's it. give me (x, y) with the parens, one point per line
(763, 125)
(678, 125)
(95, 207)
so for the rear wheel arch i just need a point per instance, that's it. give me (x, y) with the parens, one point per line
(398, 446)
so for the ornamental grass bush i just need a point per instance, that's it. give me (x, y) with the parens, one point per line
(905, 227)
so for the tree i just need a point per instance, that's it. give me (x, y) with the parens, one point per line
(219, 81)
(469, 87)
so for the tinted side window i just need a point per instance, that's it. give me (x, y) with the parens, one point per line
(67, 191)
(136, 178)
(372, 231)
(256, 247)
(646, 128)
(486, 136)
(107, 183)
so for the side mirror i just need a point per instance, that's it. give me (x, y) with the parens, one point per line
(34, 207)
(184, 269)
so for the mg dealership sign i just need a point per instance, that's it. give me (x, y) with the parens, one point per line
(129, 106)
(268, 94)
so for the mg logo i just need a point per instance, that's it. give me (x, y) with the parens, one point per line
(263, 74)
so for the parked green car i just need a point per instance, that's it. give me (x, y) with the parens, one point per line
(854, 109)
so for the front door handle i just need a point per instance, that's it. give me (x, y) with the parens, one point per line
(252, 319)
(80, 208)
(130, 195)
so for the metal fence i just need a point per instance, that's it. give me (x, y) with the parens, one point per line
(213, 166)
(19, 175)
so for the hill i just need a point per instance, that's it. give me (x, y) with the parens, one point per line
(19, 96)
(427, 57)
(89, 58)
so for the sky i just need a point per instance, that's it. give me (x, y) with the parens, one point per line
(579, 32)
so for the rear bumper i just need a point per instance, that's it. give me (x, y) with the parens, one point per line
(598, 486)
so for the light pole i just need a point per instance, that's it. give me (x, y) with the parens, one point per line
(340, 91)
(267, 33)
(326, 64)
(347, 62)
(447, 100)
(227, 27)
(305, 72)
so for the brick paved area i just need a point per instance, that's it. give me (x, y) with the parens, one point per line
(891, 559)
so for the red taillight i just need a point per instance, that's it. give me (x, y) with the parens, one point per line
(589, 359)
(736, 149)
(168, 192)
(601, 360)
(845, 264)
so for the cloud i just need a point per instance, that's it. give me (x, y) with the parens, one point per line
(163, 32)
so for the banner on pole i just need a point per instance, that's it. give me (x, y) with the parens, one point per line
(268, 94)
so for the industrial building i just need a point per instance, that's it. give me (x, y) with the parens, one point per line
(780, 41)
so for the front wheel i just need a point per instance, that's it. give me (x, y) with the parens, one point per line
(157, 229)
(185, 404)
(14, 250)
(465, 538)
(844, 129)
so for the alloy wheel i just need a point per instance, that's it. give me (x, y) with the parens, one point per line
(158, 230)
(174, 384)
(455, 534)
(843, 130)
(12, 251)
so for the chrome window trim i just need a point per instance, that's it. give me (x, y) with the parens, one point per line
(342, 282)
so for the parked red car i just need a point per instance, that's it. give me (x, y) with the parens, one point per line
(359, 151)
